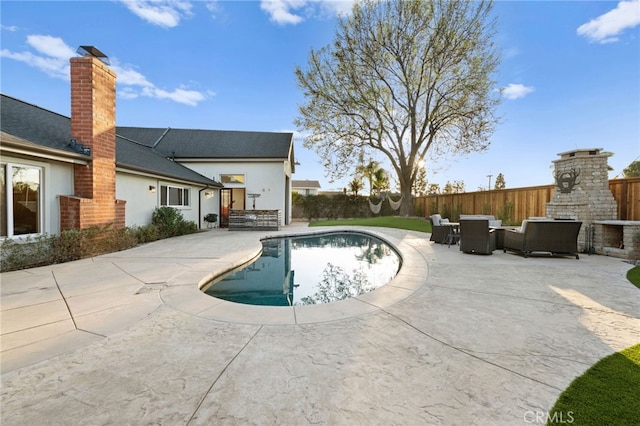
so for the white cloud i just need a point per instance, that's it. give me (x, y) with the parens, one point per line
(337, 7)
(214, 7)
(516, 91)
(605, 28)
(52, 57)
(51, 66)
(11, 28)
(181, 95)
(164, 13)
(128, 76)
(279, 11)
(51, 46)
(293, 12)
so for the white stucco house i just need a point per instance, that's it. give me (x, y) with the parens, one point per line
(59, 172)
(306, 187)
(254, 167)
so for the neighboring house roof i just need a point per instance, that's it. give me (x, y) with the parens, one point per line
(305, 184)
(31, 126)
(213, 144)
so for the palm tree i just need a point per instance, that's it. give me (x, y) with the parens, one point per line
(368, 172)
(356, 185)
(380, 181)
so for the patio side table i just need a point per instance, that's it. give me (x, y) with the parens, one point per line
(454, 233)
(499, 230)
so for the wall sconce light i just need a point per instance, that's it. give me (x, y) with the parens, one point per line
(152, 189)
(208, 194)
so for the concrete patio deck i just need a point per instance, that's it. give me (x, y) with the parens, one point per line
(127, 338)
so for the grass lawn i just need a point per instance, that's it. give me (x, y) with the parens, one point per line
(410, 223)
(608, 393)
(634, 276)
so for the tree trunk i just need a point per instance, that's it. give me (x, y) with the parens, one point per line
(406, 208)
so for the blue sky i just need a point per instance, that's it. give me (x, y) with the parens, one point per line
(570, 70)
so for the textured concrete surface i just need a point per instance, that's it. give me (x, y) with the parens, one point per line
(128, 338)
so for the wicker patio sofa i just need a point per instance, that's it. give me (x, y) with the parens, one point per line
(476, 236)
(550, 236)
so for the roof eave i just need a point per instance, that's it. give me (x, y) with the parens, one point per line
(154, 174)
(23, 147)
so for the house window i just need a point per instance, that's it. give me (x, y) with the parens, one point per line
(21, 197)
(174, 196)
(237, 179)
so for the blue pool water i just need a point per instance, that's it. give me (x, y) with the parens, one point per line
(307, 270)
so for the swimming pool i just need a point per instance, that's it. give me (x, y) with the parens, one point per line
(310, 269)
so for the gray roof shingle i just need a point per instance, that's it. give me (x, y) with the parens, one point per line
(141, 158)
(35, 124)
(213, 144)
(48, 129)
(305, 184)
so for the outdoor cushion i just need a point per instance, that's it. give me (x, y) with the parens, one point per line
(492, 220)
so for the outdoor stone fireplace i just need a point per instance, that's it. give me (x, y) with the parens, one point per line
(582, 193)
(616, 238)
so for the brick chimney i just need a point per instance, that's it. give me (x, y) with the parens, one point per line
(93, 112)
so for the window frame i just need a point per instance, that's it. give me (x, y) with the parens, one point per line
(7, 203)
(184, 195)
(239, 179)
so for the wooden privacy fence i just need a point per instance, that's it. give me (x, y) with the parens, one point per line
(513, 205)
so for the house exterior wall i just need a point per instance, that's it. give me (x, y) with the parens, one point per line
(269, 179)
(58, 179)
(306, 191)
(141, 202)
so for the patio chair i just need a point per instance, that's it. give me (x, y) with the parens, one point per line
(440, 231)
(476, 236)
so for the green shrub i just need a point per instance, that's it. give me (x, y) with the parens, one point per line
(170, 222)
(31, 252)
(457, 211)
(27, 253)
(446, 212)
(148, 233)
(340, 206)
(505, 214)
(118, 240)
(69, 245)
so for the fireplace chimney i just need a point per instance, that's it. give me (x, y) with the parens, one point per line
(582, 190)
(93, 112)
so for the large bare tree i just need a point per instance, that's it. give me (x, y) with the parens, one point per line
(402, 78)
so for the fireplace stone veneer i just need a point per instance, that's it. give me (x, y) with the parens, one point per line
(582, 191)
(617, 238)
